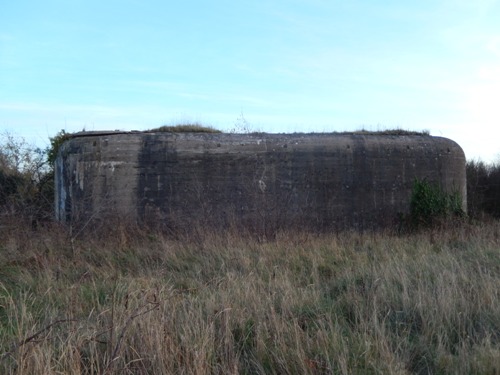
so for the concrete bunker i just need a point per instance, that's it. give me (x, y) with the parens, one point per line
(260, 181)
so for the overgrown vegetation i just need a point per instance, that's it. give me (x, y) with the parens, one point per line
(186, 128)
(26, 184)
(430, 204)
(27, 179)
(397, 131)
(55, 143)
(346, 303)
(483, 189)
(129, 301)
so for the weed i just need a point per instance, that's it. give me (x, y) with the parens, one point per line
(430, 203)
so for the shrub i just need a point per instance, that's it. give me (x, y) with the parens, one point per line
(26, 181)
(483, 189)
(8, 186)
(55, 143)
(429, 203)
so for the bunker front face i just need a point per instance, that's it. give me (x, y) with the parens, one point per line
(277, 181)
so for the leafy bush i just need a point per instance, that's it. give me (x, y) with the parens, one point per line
(429, 203)
(55, 143)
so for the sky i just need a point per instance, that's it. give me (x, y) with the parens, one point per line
(253, 65)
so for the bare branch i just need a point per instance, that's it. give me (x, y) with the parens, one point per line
(34, 336)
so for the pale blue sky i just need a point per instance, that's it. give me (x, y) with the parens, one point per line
(287, 66)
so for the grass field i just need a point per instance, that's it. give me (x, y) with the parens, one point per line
(133, 302)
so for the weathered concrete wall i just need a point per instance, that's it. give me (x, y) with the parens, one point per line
(318, 181)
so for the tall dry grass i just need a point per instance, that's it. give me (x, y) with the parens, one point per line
(135, 302)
